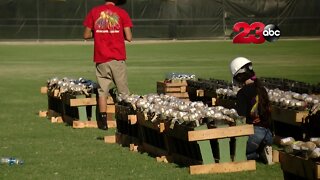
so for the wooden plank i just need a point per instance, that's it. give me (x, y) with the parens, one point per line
(91, 124)
(223, 167)
(163, 90)
(161, 127)
(179, 81)
(56, 119)
(43, 113)
(214, 101)
(275, 156)
(179, 95)
(233, 131)
(110, 139)
(83, 102)
(111, 108)
(132, 119)
(299, 166)
(165, 159)
(110, 100)
(55, 93)
(200, 93)
(176, 83)
(133, 147)
(44, 90)
(183, 89)
(288, 116)
(84, 124)
(112, 124)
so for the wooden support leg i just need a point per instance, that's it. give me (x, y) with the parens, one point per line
(93, 113)
(206, 152)
(241, 148)
(205, 148)
(224, 150)
(82, 111)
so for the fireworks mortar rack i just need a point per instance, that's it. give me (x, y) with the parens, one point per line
(205, 147)
(290, 110)
(74, 102)
(300, 159)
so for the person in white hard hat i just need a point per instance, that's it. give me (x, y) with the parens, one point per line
(253, 103)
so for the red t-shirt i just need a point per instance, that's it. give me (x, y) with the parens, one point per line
(107, 23)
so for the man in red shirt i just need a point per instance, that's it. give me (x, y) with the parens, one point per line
(110, 26)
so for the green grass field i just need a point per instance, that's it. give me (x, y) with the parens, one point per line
(56, 151)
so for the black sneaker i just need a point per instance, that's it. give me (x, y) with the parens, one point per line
(266, 155)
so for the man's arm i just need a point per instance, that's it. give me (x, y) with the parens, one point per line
(87, 33)
(127, 34)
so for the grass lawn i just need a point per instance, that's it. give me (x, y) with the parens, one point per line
(56, 151)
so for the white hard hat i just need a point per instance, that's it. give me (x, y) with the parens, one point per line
(237, 64)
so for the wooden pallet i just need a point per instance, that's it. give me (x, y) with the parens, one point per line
(295, 166)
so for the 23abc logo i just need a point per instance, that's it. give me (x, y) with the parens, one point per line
(260, 34)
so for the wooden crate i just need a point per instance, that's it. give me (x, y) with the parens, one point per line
(164, 87)
(294, 167)
(177, 89)
(288, 116)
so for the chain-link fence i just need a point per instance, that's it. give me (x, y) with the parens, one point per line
(159, 19)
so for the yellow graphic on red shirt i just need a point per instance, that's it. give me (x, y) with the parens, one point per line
(108, 20)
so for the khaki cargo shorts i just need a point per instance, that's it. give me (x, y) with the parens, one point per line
(113, 71)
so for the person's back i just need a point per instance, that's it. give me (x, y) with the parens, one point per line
(252, 105)
(107, 23)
